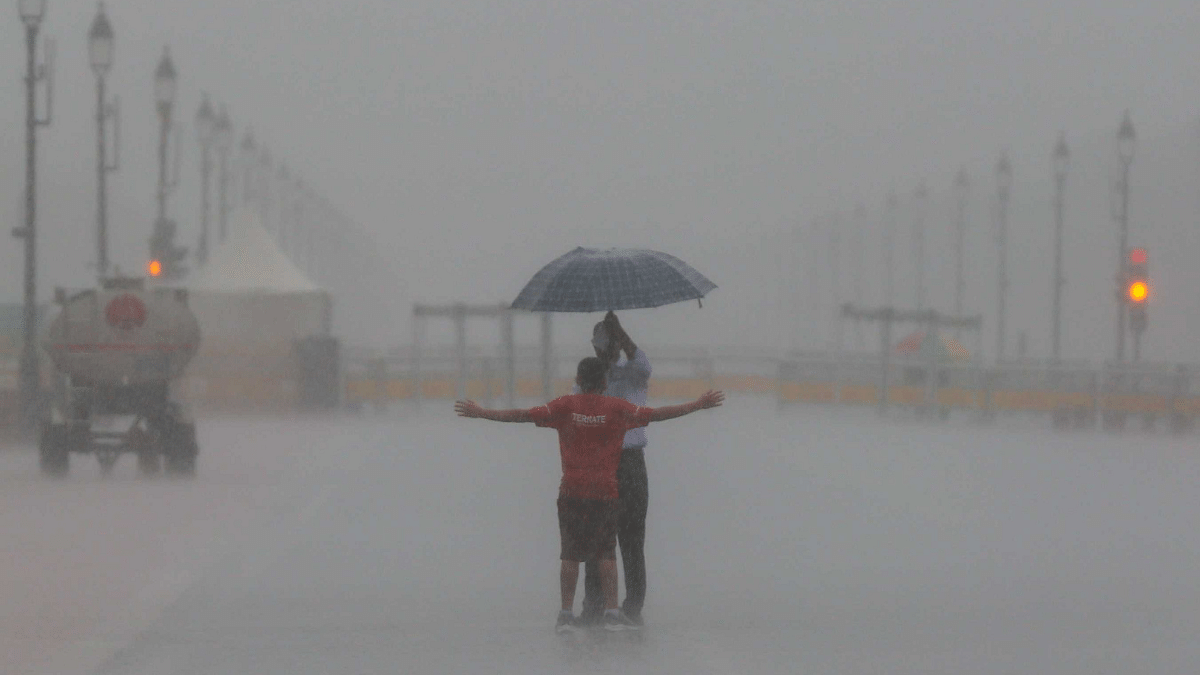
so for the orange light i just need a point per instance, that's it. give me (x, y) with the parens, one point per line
(154, 267)
(1138, 256)
(1139, 291)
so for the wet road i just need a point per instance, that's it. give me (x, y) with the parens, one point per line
(798, 543)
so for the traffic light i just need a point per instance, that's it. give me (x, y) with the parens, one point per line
(166, 259)
(1136, 289)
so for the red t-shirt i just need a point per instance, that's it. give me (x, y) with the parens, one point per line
(591, 428)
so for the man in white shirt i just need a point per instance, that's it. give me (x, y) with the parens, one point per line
(629, 379)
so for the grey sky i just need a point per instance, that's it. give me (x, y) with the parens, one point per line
(478, 140)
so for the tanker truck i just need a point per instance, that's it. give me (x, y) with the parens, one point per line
(116, 350)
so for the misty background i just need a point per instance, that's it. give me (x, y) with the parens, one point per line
(470, 143)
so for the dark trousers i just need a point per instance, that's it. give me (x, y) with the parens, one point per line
(633, 501)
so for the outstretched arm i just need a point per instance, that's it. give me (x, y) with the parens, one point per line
(710, 399)
(474, 410)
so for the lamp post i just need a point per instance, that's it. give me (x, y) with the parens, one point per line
(920, 199)
(860, 237)
(206, 129)
(249, 151)
(164, 97)
(223, 142)
(889, 251)
(100, 54)
(1062, 162)
(264, 179)
(835, 277)
(1004, 180)
(283, 181)
(32, 12)
(962, 185)
(1126, 144)
(162, 242)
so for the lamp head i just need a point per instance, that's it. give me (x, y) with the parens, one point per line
(206, 122)
(1062, 157)
(1126, 140)
(223, 131)
(164, 83)
(1004, 175)
(100, 42)
(32, 11)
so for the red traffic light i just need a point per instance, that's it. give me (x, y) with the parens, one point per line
(1138, 256)
(154, 267)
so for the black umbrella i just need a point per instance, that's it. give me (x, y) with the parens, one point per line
(591, 280)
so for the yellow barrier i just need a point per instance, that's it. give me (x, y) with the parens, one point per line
(366, 389)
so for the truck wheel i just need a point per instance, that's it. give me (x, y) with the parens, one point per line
(181, 450)
(148, 463)
(54, 455)
(107, 461)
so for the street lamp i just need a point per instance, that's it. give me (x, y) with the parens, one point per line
(1062, 162)
(206, 130)
(164, 97)
(860, 236)
(264, 178)
(1126, 144)
(32, 12)
(249, 156)
(889, 251)
(920, 199)
(962, 185)
(162, 241)
(100, 55)
(283, 180)
(1004, 179)
(223, 142)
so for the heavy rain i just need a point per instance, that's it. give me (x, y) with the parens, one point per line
(934, 256)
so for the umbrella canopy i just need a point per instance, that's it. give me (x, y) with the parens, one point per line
(940, 346)
(593, 280)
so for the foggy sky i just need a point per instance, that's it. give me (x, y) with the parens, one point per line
(476, 141)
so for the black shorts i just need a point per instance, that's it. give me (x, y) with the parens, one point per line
(588, 528)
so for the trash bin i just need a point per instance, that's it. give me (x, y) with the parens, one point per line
(318, 367)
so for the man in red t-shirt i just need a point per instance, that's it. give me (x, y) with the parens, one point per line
(591, 428)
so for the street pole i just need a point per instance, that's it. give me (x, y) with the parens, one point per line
(1004, 185)
(206, 129)
(920, 198)
(29, 367)
(100, 55)
(1125, 147)
(223, 139)
(889, 252)
(101, 184)
(860, 240)
(249, 165)
(961, 186)
(164, 118)
(223, 195)
(205, 180)
(835, 261)
(1061, 158)
(1123, 246)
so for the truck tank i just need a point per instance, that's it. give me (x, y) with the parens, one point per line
(123, 334)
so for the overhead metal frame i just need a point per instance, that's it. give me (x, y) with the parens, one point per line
(927, 318)
(459, 313)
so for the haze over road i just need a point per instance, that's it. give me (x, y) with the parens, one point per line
(790, 543)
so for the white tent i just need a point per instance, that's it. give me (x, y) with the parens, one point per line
(250, 293)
